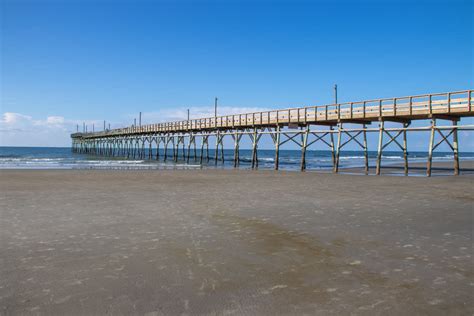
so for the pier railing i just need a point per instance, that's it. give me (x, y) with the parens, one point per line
(145, 141)
(457, 103)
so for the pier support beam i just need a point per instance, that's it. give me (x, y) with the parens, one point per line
(444, 139)
(216, 154)
(276, 140)
(204, 142)
(255, 137)
(352, 137)
(237, 137)
(393, 138)
(379, 147)
(319, 136)
(304, 143)
(168, 139)
(192, 141)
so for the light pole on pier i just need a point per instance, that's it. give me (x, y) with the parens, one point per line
(215, 111)
(335, 94)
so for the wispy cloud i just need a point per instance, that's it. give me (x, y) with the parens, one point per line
(17, 129)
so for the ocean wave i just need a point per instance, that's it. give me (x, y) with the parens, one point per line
(44, 158)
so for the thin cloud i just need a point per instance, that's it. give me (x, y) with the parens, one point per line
(18, 129)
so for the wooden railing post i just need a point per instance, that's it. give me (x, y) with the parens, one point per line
(469, 100)
(449, 102)
(429, 105)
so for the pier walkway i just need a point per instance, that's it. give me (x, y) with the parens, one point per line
(294, 125)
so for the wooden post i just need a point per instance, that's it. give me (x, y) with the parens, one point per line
(339, 136)
(366, 153)
(150, 153)
(202, 149)
(254, 147)
(207, 148)
(333, 154)
(167, 140)
(216, 157)
(138, 149)
(303, 148)
(430, 149)
(134, 147)
(222, 147)
(277, 147)
(469, 100)
(128, 147)
(184, 149)
(379, 147)
(175, 149)
(189, 144)
(405, 147)
(455, 148)
(195, 151)
(158, 141)
(236, 148)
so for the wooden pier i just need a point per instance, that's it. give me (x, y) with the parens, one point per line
(296, 125)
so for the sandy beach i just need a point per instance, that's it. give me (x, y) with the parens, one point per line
(237, 242)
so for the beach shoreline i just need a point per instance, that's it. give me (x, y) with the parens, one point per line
(233, 241)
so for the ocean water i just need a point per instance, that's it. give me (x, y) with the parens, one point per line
(63, 158)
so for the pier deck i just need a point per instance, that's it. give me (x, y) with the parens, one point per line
(131, 141)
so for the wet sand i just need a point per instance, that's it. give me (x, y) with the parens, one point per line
(234, 242)
(439, 168)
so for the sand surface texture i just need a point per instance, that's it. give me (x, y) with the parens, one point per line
(234, 242)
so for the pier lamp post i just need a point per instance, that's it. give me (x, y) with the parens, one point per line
(335, 94)
(215, 111)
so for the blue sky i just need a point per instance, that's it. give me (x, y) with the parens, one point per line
(64, 62)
